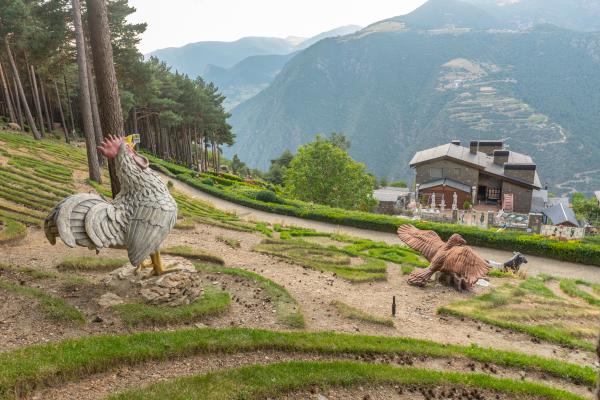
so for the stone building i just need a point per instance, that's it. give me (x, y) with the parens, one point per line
(390, 200)
(483, 173)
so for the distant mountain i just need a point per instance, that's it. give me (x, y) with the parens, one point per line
(436, 14)
(194, 58)
(242, 68)
(341, 31)
(246, 78)
(439, 73)
(580, 15)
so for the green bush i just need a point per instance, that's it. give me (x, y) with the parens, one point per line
(208, 181)
(268, 197)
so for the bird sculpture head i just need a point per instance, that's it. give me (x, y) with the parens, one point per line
(456, 240)
(111, 144)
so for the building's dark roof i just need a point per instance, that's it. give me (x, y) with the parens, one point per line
(445, 181)
(560, 214)
(553, 201)
(539, 200)
(480, 161)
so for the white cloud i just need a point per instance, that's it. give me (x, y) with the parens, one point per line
(178, 22)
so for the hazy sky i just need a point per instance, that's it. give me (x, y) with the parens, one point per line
(173, 23)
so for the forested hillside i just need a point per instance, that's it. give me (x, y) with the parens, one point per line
(41, 86)
(419, 80)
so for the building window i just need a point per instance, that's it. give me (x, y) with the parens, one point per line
(435, 172)
(493, 194)
(457, 172)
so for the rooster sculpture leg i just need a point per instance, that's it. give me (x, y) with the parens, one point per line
(159, 268)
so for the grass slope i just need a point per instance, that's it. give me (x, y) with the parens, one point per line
(266, 381)
(288, 309)
(212, 302)
(350, 312)
(34, 366)
(533, 308)
(322, 258)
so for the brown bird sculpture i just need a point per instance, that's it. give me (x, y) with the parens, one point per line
(457, 263)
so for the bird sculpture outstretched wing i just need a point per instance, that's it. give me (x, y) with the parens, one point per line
(464, 262)
(425, 242)
(453, 258)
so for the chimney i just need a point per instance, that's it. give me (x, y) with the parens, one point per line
(501, 156)
(523, 172)
(488, 146)
(455, 142)
(473, 146)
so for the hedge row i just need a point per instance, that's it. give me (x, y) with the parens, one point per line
(573, 251)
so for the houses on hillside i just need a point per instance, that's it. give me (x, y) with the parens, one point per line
(483, 174)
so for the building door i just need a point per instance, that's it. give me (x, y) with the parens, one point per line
(481, 193)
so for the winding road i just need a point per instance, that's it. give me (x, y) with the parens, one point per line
(535, 265)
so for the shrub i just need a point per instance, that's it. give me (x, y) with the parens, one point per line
(268, 197)
(208, 181)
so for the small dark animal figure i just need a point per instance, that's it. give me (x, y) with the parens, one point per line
(514, 264)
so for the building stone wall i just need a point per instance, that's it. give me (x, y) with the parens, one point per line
(451, 170)
(521, 196)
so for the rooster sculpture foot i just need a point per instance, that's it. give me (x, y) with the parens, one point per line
(144, 264)
(159, 267)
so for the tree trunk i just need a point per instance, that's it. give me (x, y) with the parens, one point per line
(62, 114)
(18, 104)
(106, 79)
(94, 105)
(21, 92)
(86, 108)
(36, 100)
(69, 106)
(7, 96)
(46, 107)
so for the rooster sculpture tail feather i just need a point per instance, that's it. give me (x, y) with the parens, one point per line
(85, 220)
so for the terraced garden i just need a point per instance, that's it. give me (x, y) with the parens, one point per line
(285, 313)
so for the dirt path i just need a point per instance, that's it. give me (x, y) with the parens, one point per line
(99, 386)
(535, 265)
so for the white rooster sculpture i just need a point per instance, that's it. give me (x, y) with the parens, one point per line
(138, 219)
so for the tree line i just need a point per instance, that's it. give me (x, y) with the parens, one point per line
(74, 66)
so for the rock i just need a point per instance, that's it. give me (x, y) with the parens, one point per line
(109, 299)
(98, 318)
(181, 285)
(321, 397)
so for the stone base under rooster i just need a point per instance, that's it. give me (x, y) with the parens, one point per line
(138, 219)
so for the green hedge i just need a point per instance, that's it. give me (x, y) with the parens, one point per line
(573, 251)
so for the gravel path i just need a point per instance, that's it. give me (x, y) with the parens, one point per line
(535, 265)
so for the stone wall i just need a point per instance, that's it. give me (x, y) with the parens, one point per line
(521, 197)
(451, 170)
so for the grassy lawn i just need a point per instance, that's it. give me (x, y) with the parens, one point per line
(193, 253)
(288, 309)
(91, 264)
(576, 288)
(28, 367)
(10, 230)
(350, 312)
(533, 308)
(331, 259)
(212, 302)
(260, 382)
(233, 243)
(54, 308)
